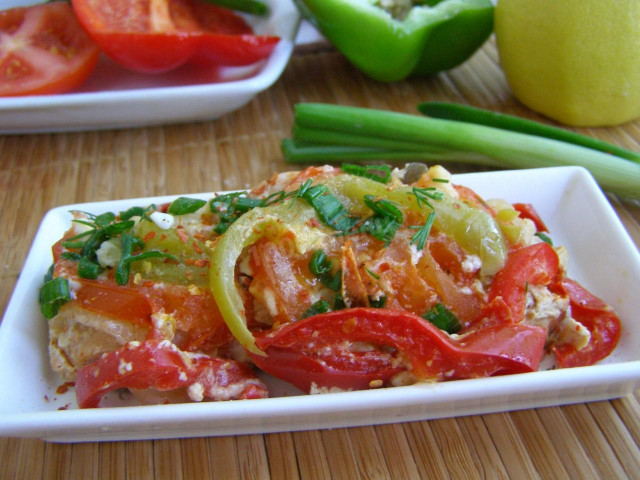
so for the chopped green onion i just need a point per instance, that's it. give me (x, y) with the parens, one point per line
(374, 275)
(338, 302)
(88, 269)
(320, 266)
(184, 205)
(321, 306)
(254, 7)
(329, 208)
(545, 238)
(443, 318)
(383, 207)
(127, 244)
(53, 295)
(379, 173)
(132, 212)
(378, 303)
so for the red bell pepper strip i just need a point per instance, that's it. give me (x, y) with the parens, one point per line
(162, 366)
(535, 264)
(528, 211)
(597, 317)
(327, 350)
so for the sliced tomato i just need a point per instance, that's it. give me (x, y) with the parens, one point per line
(528, 211)
(162, 366)
(43, 50)
(364, 347)
(535, 264)
(154, 36)
(599, 318)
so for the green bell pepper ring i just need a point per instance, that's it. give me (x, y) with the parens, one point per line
(248, 229)
(427, 40)
(473, 229)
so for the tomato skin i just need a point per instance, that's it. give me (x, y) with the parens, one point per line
(597, 317)
(535, 264)
(43, 50)
(528, 211)
(155, 37)
(308, 351)
(161, 366)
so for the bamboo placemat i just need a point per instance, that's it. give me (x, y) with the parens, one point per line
(38, 172)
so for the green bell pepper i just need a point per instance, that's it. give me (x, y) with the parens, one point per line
(389, 42)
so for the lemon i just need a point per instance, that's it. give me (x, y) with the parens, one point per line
(575, 61)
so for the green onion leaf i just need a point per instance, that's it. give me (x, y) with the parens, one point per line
(378, 303)
(488, 145)
(321, 306)
(329, 208)
(544, 238)
(53, 295)
(379, 173)
(88, 269)
(320, 266)
(443, 318)
(184, 205)
(132, 212)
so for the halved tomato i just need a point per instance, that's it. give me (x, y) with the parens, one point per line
(43, 50)
(154, 36)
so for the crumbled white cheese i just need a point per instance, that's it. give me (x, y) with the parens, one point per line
(196, 392)
(109, 253)
(471, 264)
(315, 389)
(124, 367)
(162, 220)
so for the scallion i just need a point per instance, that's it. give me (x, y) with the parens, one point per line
(53, 294)
(443, 318)
(489, 145)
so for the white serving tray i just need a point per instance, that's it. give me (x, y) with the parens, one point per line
(603, 258)
(114, 97)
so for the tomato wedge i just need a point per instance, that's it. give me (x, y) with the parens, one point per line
(601, 321)
(154, 36)
(535, 264)
(361, 348)
(162, 366)
(43, 50)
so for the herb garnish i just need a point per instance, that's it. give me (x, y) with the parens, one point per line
(379, 173)
(185, 205)
(320, 266)
(443, 318)
(423, 195)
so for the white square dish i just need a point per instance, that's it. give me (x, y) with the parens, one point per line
(114, 97)
(602, 257)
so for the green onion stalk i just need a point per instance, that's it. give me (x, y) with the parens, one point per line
(368, 134)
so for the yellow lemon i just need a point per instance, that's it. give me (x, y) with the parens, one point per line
(575, 61)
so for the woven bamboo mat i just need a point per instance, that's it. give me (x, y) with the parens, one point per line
(38, 172)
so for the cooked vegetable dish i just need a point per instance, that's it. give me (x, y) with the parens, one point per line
(330, 278)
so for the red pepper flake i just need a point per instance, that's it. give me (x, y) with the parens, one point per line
(203, 262)
(163, 236)
(189, 261)
(149, 236)
(199, 236)
(196, 247)
(183, 236)
(65, 407)
(314, 223)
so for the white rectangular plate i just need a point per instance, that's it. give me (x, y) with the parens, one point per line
(114, 97)
(602, 257)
